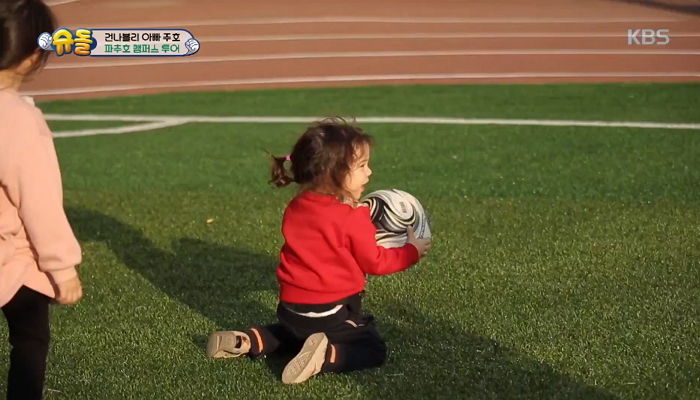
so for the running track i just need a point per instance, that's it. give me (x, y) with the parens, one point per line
(280, 43)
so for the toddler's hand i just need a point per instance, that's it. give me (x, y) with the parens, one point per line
(69, 292)
(423, 245)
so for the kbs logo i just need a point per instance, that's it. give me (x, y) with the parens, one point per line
(648, 37)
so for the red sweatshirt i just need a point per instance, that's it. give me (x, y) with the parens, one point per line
(329, 247)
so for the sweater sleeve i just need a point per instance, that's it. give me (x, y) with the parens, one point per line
(374, 259)
(33, 182)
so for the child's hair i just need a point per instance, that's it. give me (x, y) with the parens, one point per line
(21, 23)
(322, 157)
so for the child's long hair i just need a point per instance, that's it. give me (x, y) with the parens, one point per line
(322, 157)
(21, 23)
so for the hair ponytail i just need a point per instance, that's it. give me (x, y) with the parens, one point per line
(279, 175)
(321, 158)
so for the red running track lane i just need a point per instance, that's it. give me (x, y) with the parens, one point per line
(329, 43)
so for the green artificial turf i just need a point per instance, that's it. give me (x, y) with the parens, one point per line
(565, 261)
(612, 102)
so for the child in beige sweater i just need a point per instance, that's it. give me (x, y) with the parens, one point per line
(38, 251)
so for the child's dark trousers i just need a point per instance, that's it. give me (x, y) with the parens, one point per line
(27, 315)
(354, 342)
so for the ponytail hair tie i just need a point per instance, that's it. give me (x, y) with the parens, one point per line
(288, 157)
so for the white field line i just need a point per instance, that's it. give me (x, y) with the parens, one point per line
(60, 2)
(390, 20)
(173, 118)
(448, 35)
(371, 54)
(361, 78)
(163, 121)
(159, 124)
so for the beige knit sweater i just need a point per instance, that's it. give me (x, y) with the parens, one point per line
(37, 246)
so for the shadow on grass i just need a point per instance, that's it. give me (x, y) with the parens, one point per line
(451, 362)
(213, 280)
(430, 358)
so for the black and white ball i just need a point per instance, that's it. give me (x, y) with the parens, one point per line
(392, 212)
(192, 46)
(44, 41)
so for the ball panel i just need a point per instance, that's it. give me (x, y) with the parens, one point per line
(44, 41)
(392, 211)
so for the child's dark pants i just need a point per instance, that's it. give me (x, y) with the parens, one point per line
(354, 342)
(27, 317)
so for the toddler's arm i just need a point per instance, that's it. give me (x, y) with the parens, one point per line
(374, 259)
